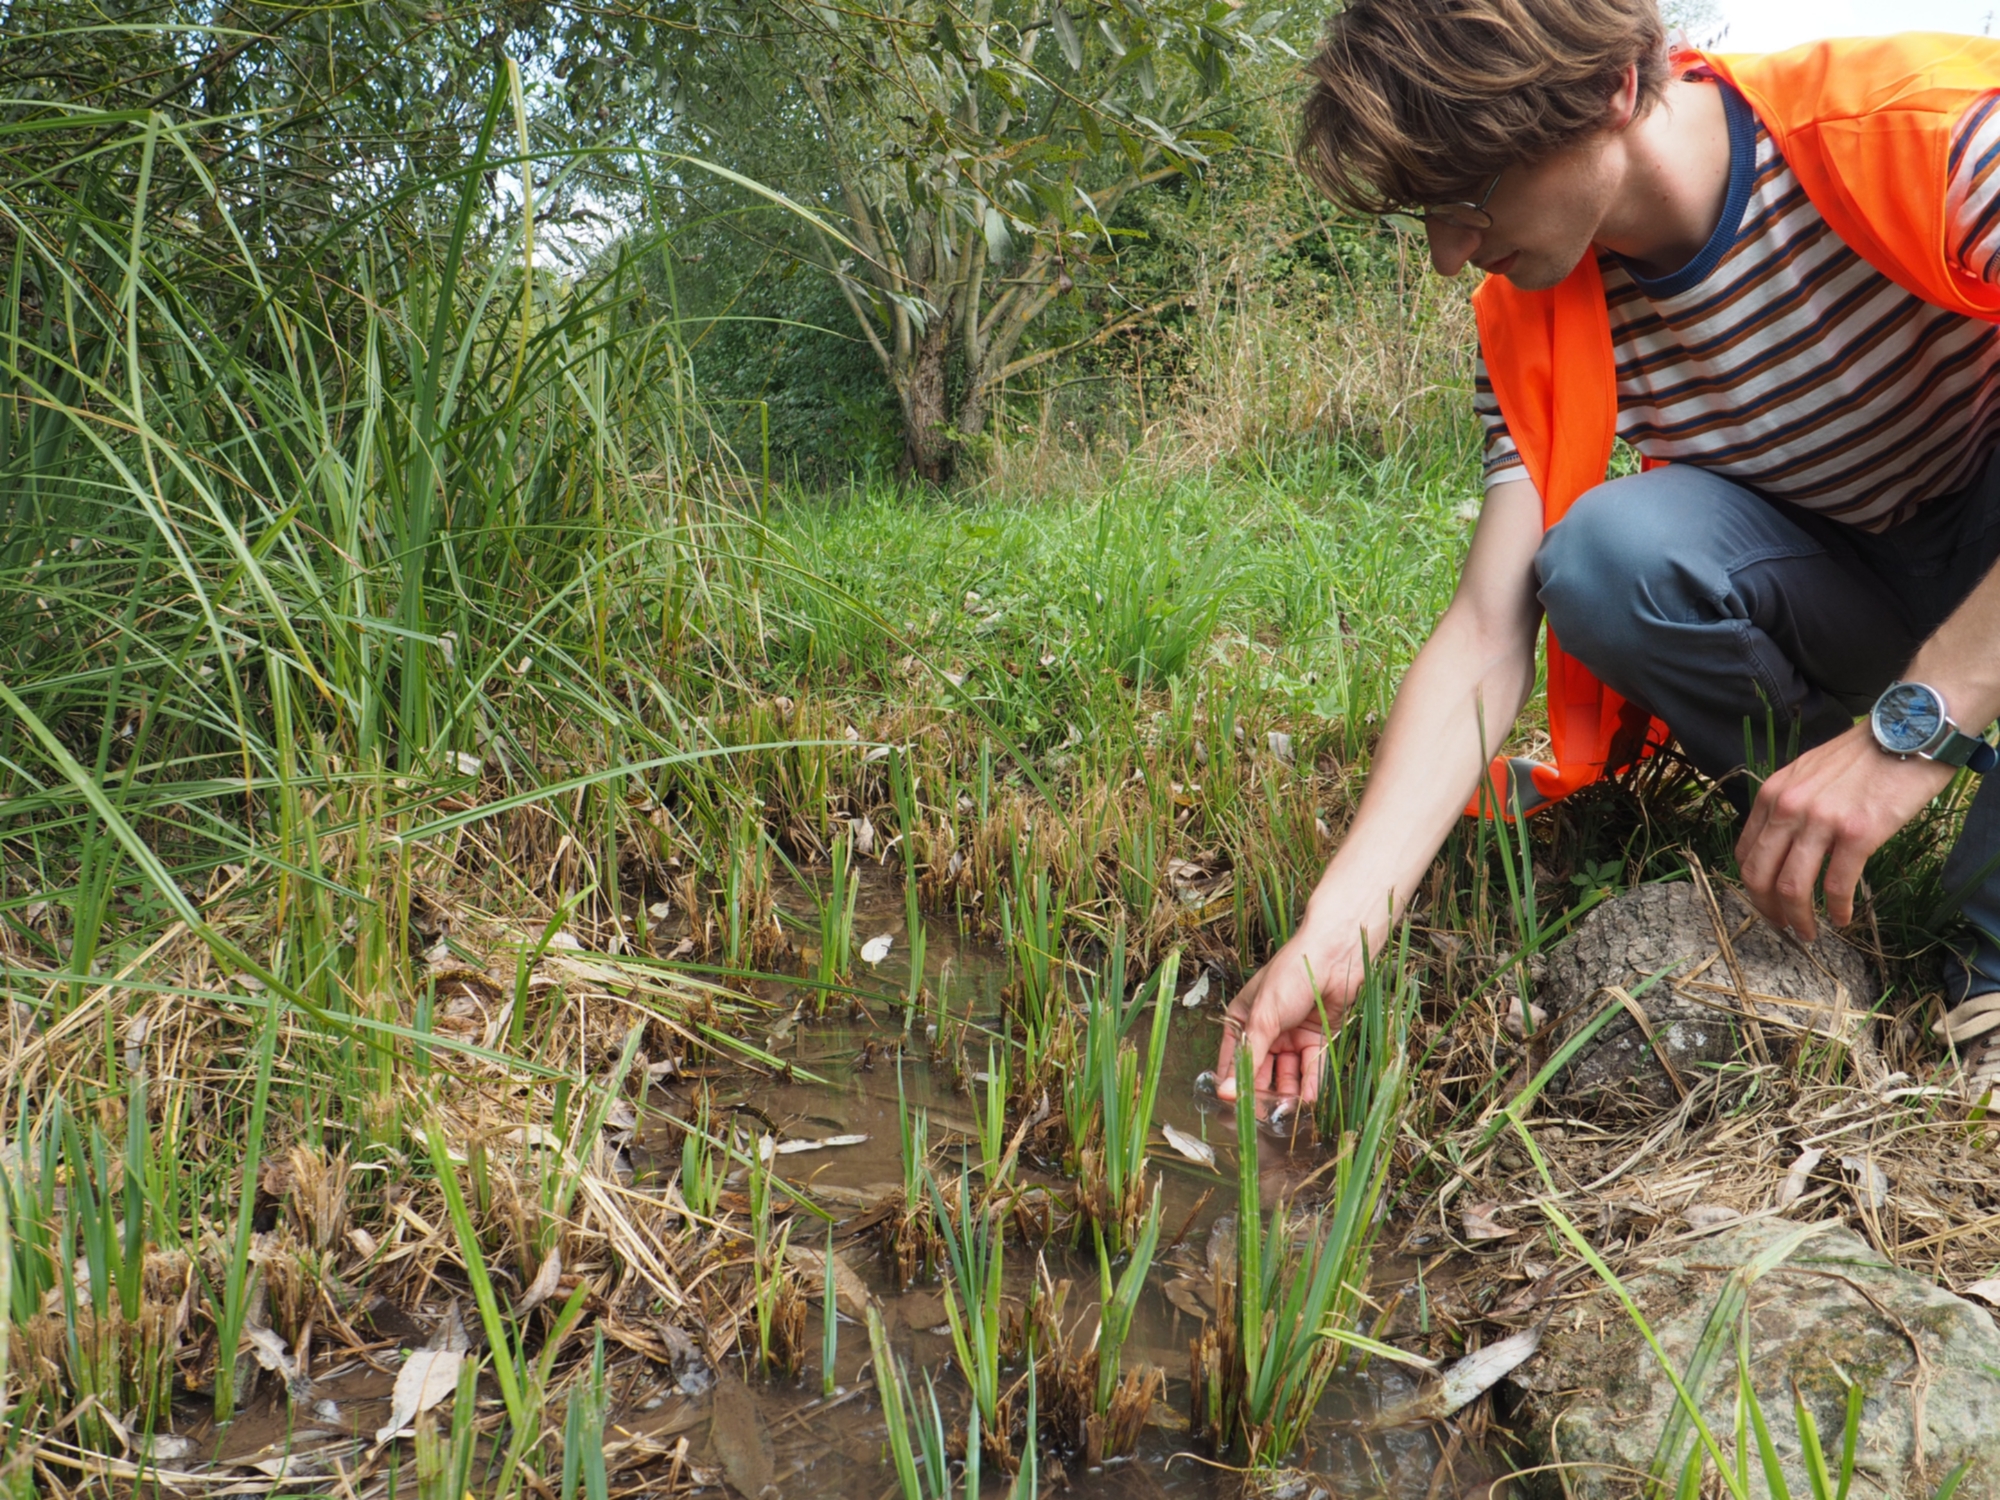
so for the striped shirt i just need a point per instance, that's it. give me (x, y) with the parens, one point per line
(1781, 359)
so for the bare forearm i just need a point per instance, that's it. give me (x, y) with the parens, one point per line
(1962, 659)
(1455, 707)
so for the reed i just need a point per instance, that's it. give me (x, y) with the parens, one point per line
(835, 964)
(829, 1325)
(974, 1260)
(1260, 1369)
(1113, 1100)
(583, 1469)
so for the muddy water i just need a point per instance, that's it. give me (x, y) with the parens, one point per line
(836, 1447)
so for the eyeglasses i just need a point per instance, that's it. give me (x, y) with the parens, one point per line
(1463, 215)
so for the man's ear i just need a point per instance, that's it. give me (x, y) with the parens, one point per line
(1623, 106)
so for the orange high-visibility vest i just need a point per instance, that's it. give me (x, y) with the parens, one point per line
(1866, 127)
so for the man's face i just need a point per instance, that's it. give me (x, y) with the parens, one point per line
(1544, 219)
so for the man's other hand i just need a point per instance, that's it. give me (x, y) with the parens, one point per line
(1833, 807)
(1278, 1013)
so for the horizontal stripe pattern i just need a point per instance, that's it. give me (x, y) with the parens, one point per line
(1795, 367)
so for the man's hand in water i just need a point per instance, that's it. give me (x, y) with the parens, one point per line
(1279, 1014)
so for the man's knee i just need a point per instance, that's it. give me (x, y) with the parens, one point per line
(1617, 564)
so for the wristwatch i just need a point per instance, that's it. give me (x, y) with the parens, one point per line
(1910, 718)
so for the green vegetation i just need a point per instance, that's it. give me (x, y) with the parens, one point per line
(421, 689)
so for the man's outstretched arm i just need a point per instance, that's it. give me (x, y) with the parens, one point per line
(1841, 801)
(1454, 708)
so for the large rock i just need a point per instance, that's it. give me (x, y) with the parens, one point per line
(1694, 1013)
(1833, 1308)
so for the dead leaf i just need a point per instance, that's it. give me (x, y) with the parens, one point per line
(737, 1433)
(850, 1292)
(1512, 1024)
(1185, 1293)
(1793, 1187)
(1281, 745)
(1986, 1291)
(1871, 1183)
(864, 829)
(876, 949)
(1479, 1371)
(1710, 1215)
(1479, 1221)
(544, 1285)
(427, 1377)
(1463, 1381)
(271, 1351)
(793, 1148)
(1188, 1146)
(1196, 992)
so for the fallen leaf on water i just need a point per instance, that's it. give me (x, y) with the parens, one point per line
(1462, 1381)
(544, 1285)
(1480, 1221)
(876, 948)
(427, 1377)
(1480, 1370)
(1185, 1293)
(270, 1351)
(850, 1292)
(1196, 992)
(1793, 1187)
(793, 1148)
(1188, 1146)
(737, 1433)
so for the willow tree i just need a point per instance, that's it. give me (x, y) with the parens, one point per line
(970, 155)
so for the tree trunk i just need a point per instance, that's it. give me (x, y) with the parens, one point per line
(929, 453)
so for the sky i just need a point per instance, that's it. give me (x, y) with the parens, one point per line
(1766, 25)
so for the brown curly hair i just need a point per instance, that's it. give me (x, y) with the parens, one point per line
(1426, 101)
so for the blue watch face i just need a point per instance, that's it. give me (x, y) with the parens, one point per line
(1907, 717)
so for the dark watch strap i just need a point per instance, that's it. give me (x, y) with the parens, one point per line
(1962, 749)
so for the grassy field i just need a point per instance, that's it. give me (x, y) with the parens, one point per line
(412, 726)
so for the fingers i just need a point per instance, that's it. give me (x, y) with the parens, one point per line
(1843, 875)
(1796, 879)
(1312, 1062)
(1286, 1074)
(1235, 1027)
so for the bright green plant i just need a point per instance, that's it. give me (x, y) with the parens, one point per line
(1111, 1091)
(704, 1165)
(1120, 1300)
(583, 1434)
(974, 1262)
(829, 1335)
(836, 919)
(235, 1294)
(767, 1259)
(1295, 1288)
(917, 1439)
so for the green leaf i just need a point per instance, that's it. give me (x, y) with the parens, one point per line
(946, 33)
(999, 243)
(1067, 38)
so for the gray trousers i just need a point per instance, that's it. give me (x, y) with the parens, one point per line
(1728, 614)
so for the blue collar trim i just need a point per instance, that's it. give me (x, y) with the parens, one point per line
(1742, 177)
